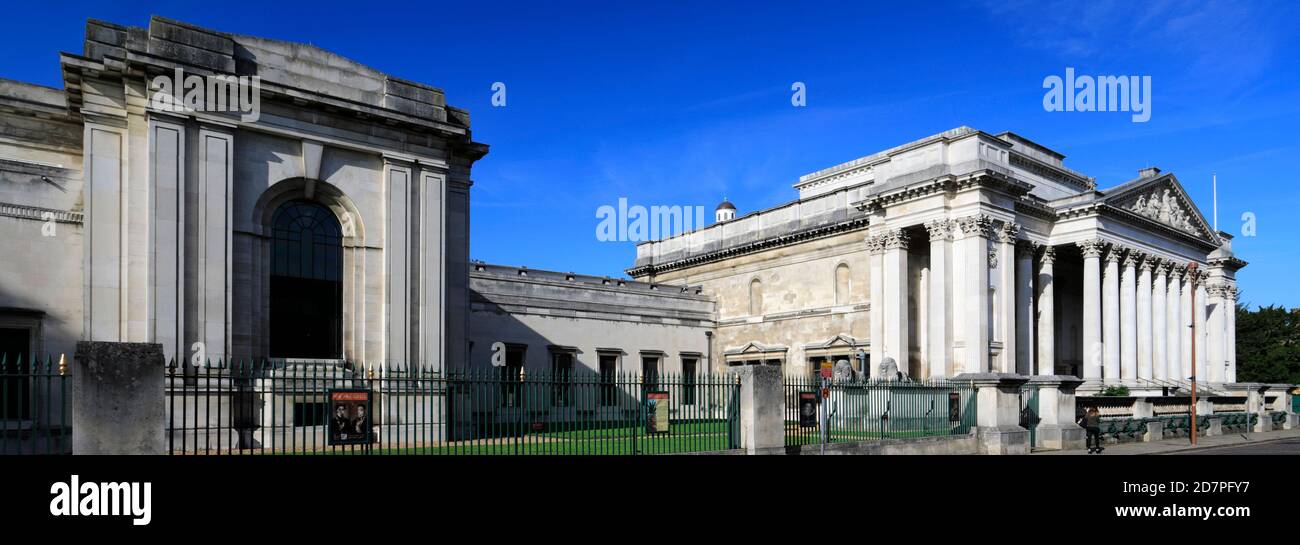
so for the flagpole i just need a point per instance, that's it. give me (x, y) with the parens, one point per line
(1215, 185)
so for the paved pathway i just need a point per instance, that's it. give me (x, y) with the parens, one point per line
(1229, 444)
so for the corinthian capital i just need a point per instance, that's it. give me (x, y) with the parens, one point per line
(896, 238)
(978, 225)
(1009, 232)
(1091, 248)
(1049, 255)
(939, 229)
(1114, 253)
(875, 244)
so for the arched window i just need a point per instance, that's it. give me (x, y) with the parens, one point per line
(306, 282)
(842, 284)
(755, 297)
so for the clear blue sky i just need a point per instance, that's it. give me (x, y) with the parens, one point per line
(685, 103)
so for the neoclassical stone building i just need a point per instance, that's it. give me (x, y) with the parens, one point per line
(969, 252)
(334, 225)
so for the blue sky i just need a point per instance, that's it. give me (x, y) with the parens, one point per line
(684, 103)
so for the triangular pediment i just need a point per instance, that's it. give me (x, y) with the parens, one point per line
(1162, 200)
(836, 341)
(755, 347)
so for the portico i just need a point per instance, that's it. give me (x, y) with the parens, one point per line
(982, 253)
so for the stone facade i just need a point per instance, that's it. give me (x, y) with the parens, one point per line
(162, 218)
(551, 317)
(970, 252)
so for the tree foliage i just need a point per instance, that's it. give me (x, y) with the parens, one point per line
(1268, 345)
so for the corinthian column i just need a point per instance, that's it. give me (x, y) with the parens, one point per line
(1128, 316)
(896, 284)
(940, 338)
(1092, 344)
(1144, 357)
(1159, 333)
(1046, 313)
(1173, 324)
(1110, 315)
(1185, 320)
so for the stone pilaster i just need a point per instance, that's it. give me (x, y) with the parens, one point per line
(876, 282)
(974, 311)
(895, 298)
(1006, 293)
(1230, 328)
(1216, 359)
(940, 328)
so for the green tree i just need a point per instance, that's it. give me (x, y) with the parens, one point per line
(1268, 344)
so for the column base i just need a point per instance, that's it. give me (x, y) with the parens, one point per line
(1002, 440)
(1060, 437)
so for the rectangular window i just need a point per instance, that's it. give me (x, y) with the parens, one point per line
(512, 376)
(688, 381)
(608, 373)
(15, 380)
(561, 375)
(650, 370)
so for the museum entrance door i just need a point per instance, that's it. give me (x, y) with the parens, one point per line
(306, 282)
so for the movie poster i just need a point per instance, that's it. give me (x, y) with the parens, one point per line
(807, 409)
(657, 412)
(349, 417)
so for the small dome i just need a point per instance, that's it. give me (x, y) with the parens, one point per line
(726, 205)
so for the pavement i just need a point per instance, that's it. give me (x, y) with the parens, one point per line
(1269, 442)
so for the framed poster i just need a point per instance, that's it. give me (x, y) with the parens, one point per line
(807, 409)
(954, 407)
(349, 416)
(656, 411)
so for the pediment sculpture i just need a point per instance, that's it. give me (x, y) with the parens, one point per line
(1164, 208)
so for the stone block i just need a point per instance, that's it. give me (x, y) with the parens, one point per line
(117, 398)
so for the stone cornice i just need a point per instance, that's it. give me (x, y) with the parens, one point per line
(23, 211)
(1230, 263)
(752, 247)
(1052, 173)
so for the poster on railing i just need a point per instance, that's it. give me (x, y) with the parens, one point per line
(350, 416)
(807, 409)
(657, 412)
